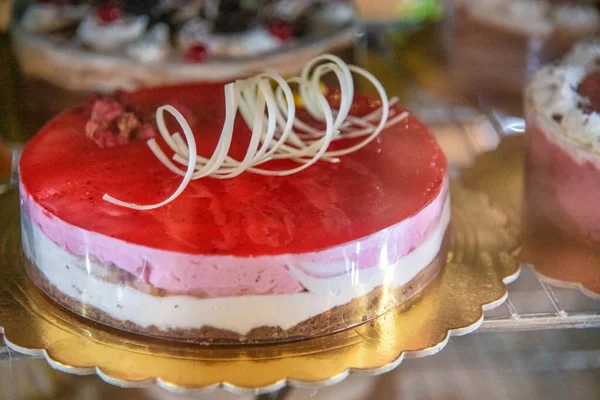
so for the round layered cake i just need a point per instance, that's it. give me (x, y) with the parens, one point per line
(563, 130)
(253, 258)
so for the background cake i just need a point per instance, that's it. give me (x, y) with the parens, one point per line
(67, 49)
(563, 131)
(497, 45)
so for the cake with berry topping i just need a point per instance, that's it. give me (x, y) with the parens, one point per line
(246, 212)
(497, 45)
(112, 44)
(563, 131)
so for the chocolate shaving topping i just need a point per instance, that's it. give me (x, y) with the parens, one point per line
(557, 117)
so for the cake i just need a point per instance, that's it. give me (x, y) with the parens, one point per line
(68, 49)
(497, 45)
(322, 233)
(563, 134)
(111, 44)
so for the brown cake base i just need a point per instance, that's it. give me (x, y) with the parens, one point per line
(357, 311)
(43, 97)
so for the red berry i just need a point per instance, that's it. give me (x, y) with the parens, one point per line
(109, 12)
(196, 53)
(590, 88)
(281, 29)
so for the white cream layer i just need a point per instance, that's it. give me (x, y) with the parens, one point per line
(112, 36)
(238, 314)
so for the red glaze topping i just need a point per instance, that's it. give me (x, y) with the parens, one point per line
(323, 206)
(590, 88)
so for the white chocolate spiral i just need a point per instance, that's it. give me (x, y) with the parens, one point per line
(276, 132)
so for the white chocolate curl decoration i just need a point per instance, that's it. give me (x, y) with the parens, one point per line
(278, 134)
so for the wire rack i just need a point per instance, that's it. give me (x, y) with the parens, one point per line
(532, 304)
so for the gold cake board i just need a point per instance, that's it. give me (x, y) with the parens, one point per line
(557, 260)
(480, 263)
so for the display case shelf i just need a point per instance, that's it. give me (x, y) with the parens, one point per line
(532, 304)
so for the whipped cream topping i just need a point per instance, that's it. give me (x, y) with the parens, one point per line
(51, 17)
(190, 23)
(111, 36)
(554, 95)
(534, 17)
(577, 17)
(290, 8)
(584, 53)
(151, 47)
(334, 12)
(193, 31)
(254, 41)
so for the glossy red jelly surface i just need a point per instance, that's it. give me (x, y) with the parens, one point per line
(323, 206)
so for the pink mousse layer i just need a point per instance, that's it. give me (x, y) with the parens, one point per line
(567, 173)
(222, 275)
